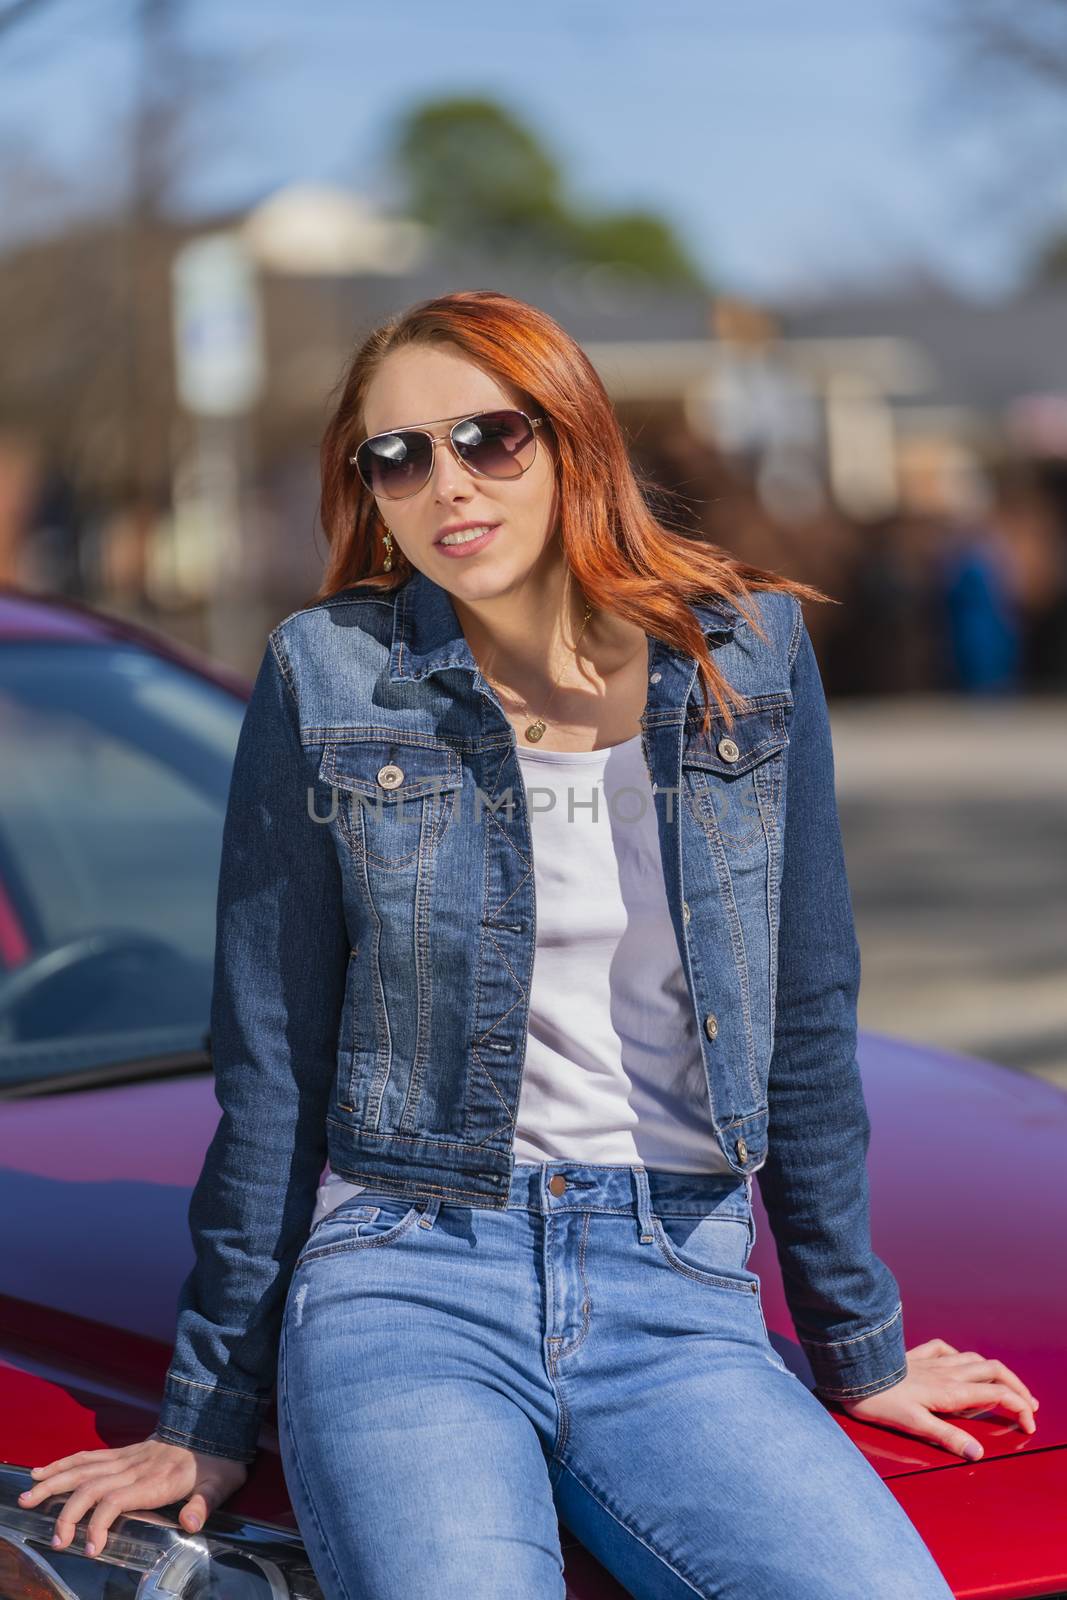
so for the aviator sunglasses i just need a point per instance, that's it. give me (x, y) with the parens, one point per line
(493, 444)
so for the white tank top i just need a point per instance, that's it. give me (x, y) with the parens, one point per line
(613, 1072)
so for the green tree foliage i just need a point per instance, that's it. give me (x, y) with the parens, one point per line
(473, 172)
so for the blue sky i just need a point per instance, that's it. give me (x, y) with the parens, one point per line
(792, 144)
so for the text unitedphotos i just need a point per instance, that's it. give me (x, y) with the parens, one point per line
(409, 811)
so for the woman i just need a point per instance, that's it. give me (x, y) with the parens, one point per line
(546, 1035)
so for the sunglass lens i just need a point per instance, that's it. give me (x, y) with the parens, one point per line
(499, 444)
(394, 464)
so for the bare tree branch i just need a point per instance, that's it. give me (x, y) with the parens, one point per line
(19, 10)
(1023, 42)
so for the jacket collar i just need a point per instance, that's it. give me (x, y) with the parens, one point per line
(427, 636)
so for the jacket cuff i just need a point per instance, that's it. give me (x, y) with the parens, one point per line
(220, 1422)
(866, 1363)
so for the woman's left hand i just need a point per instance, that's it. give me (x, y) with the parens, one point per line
(940, 1378)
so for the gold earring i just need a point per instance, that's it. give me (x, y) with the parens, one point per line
(388, 540)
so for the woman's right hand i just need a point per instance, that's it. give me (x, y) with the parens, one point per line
(134, 1477)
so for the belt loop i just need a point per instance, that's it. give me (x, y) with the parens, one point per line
(644, 1205)
(429, 1211)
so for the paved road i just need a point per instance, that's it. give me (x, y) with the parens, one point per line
(954, 815)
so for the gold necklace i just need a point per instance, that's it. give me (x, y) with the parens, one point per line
(539, 726)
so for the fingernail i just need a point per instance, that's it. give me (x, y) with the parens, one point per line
(194, 1523)
(90, 1548)
(24, 1493)
(56, 1541)
(973, 1451)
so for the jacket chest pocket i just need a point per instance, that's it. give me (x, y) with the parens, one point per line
(394, 796)
(733, 781)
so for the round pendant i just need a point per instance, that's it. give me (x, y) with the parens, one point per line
(536, 731)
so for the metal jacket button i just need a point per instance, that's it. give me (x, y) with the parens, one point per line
(711, 1025)
(686, 913)
(742, 1150)
(558, 1184)
(390, 776)
(728, 750)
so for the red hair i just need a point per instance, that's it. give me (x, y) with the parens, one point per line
(623, 559)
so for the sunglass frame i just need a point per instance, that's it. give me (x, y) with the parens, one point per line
(435, 439)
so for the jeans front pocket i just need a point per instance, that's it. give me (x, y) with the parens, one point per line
(709, 1246)
(361, 1224)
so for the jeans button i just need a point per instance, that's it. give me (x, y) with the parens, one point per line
(390, 776)
(686, 913)
(728, 750)
(656, 676)
(557, 1185)
(711, 1025)
(742, 1150)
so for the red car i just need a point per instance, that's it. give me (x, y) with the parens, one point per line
(115, 751)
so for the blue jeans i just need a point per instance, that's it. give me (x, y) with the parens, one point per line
(454, 1381)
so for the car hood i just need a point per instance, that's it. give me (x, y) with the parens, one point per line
(969, 1210)
(95, 1188)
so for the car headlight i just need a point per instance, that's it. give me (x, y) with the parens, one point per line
(146, 1557)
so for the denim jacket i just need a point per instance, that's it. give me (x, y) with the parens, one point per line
(375, 945)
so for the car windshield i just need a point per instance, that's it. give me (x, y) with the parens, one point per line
(114, 772)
